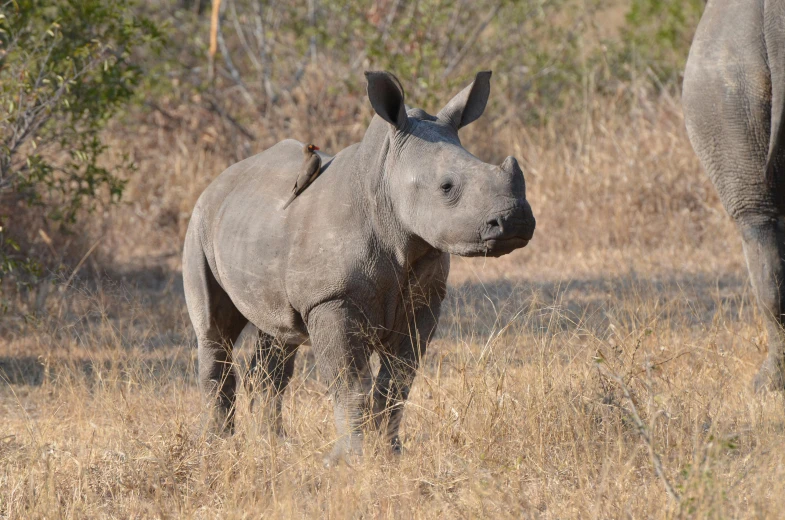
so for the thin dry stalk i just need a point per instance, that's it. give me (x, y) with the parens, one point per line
(643, 432)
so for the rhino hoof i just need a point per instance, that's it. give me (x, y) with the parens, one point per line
(329, 461)
(216, 423)
(340, 453)
(770, 378)
(396, 448)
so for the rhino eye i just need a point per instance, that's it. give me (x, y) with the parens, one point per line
(446, 186)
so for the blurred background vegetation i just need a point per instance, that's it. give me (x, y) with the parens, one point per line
(114, 115)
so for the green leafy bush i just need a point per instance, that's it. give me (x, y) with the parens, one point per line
(659, 32)
(66, 67)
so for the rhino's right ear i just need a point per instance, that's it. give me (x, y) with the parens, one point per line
(386, 95)
(469, 104)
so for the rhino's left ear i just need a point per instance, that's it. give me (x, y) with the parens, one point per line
(469, 104)
(386, 95)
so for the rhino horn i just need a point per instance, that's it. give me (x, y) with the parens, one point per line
(511, 166)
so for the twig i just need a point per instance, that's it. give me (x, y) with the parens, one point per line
(389, 20)
(214, 26)
(663, 362)
(312, 23)
(452, 24)
(470, 42)
(221, 112)
(213, 35)
(235, 74)
(643, 431)
(79, 265)
(158, 108)
(385, 30)
(238, 28)
(261, 39)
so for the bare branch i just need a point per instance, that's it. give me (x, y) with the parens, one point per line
(472, 39)
(233, 72)
(264, 55)
(643, 431)
(388, 21)
(224, 114)
(238, 28)
(214, 21)
(312, 23)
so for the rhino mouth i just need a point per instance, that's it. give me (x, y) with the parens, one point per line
(492, 248)
(503, 246)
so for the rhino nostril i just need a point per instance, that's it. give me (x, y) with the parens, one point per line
(494, 223)
(495, 228)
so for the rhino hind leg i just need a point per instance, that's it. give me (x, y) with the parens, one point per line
(218, 324)
(764, 249)
(217, 372)
(269, 373)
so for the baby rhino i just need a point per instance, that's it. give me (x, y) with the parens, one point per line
(358, 265)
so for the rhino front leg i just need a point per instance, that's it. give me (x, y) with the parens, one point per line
(391, 390)
(397, 371)
(342, 357)
(764, 249)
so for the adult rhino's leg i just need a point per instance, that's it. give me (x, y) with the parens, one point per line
(218, 324)
(270, 371)
(764, 249)
(340, 347)
(399, 364)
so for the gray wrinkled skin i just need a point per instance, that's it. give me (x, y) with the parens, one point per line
(359, 264)
(734, 94)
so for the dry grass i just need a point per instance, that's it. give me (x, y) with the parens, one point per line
(635, 276)
(511, 415)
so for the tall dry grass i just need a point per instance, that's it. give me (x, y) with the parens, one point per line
(517, 411)
(624, 334)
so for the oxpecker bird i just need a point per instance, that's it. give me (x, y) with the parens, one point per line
(312, 166)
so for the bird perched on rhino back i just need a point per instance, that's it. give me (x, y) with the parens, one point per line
(312, 166)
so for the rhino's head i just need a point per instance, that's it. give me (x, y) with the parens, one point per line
(440, 192)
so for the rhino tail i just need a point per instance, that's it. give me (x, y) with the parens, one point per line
(774, 166)
(775, 160)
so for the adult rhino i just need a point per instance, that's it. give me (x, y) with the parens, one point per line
(734, 103)
(357, 264)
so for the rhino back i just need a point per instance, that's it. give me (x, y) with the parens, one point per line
(273, 263)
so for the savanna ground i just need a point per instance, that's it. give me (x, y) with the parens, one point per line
(582, 377)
